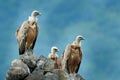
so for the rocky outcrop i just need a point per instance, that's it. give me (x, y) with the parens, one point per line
(30, 59)
(28, 67)
(56, 74)
(18, 70)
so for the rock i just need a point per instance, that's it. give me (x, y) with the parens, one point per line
(30, 59)
(56, 74)
(45, 63)
(46, 75)
(43, 71)
(17, 71)
(79, 77)
(36, 75)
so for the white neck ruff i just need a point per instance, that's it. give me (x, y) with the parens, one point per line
(32, 19)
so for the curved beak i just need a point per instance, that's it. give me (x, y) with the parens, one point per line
(39, 13)
(83, 38)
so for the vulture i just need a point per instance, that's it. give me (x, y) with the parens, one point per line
(72, 55)
(54, 56)
(27, 33)
(53, 53)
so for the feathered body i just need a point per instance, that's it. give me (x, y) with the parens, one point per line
(74, 60)
(72, 56)
(57, 63)
(54, 56)
(27, 34)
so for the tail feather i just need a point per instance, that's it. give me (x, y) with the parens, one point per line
(22, 47)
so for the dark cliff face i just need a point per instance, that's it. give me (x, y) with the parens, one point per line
(28, 67)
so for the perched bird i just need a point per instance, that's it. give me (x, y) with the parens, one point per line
(53, 55)
(72, 56)
(57, 63)
(27, 33)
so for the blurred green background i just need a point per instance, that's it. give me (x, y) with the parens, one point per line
(61, 21)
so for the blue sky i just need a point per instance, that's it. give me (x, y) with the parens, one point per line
(61, 21)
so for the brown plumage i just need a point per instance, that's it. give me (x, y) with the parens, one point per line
(54, 56)
(31, 36)
(75, 58)
(57, 63)
(27, 33)
(72, 56)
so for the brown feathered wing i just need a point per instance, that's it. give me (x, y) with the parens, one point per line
(26, 36)
(74, 60)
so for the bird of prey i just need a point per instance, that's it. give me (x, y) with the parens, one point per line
(27, 33)
(72, 55)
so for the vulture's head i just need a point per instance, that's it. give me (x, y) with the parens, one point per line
(35, 13)
(54, 49)
(79, 38)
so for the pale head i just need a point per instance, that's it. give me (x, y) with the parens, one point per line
(35, 13)
(79, 38)
(54, 49)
